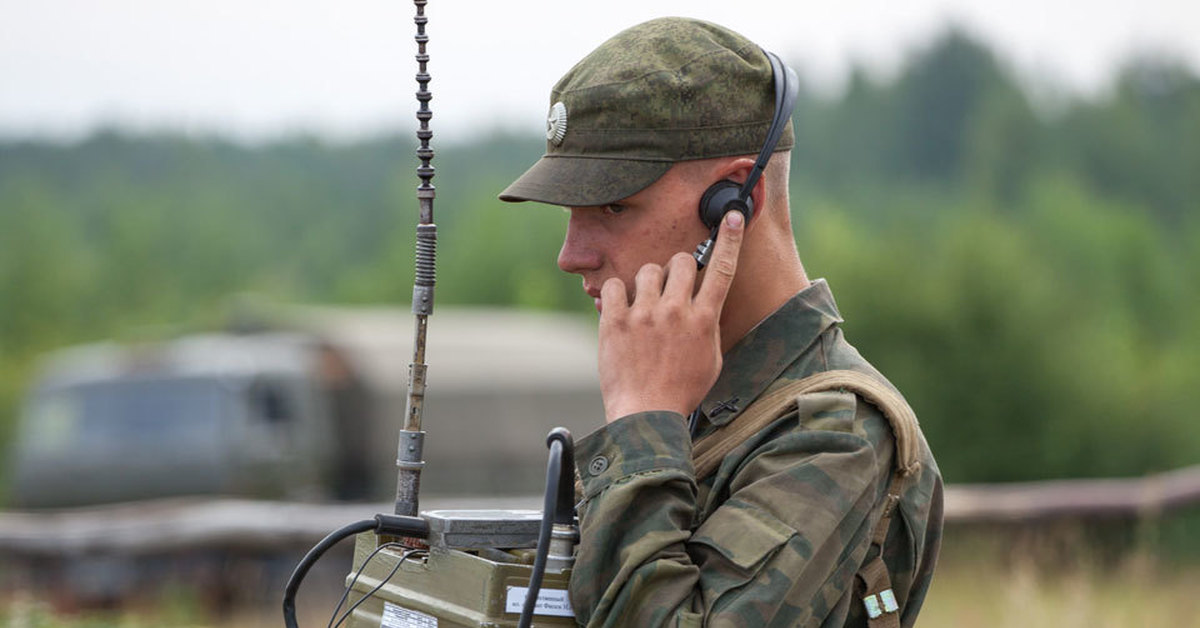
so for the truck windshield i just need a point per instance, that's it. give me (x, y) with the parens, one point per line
(120, 414)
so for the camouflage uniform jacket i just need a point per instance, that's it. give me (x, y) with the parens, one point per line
(775, 536)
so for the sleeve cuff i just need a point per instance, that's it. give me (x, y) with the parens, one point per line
(633, 444)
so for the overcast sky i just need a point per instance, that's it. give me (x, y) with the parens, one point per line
(256, 69)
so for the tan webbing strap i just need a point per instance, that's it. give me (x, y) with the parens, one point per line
(882, 609)
(878, 598)
(709, 451)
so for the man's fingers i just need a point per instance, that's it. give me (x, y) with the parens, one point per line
(719, 275)
(681, 277)
(612, 297)
(648, 283)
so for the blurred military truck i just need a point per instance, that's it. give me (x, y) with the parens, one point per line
(305, 408)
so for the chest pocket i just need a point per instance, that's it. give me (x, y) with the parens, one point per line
(732, 546)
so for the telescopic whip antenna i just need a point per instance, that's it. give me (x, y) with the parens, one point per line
(409, 457)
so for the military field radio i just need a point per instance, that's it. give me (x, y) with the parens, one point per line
(451, 567)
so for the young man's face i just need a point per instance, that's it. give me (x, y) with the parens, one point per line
(649, 227)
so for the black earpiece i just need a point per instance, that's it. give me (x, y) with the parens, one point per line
(721, 198)
(725, 196)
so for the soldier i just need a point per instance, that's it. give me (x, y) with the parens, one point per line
(819, 502)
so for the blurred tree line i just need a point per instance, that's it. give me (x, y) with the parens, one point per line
(1024, 264)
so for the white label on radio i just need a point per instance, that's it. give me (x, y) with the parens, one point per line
(400, 617)
(549, 602)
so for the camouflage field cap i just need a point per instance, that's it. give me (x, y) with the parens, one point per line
(668, 90)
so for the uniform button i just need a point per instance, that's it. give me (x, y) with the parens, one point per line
(598, 465)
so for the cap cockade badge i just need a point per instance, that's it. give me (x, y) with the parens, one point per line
(556, 123)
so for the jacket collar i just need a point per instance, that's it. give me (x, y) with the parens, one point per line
(758, 359)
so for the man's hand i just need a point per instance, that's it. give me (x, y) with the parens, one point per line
(663, 351)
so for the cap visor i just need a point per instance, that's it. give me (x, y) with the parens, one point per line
(583, 181)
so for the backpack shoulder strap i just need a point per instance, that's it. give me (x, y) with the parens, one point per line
(876, 585)
(710, 451)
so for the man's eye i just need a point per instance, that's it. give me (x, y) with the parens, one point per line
(614, 208)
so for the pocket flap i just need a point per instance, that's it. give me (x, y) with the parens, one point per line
(742, 534)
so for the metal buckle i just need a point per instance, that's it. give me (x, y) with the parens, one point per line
(885, 602)
(889, 601)
(871, 603)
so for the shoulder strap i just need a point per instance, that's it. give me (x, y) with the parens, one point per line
(708, 452)
(876, 585)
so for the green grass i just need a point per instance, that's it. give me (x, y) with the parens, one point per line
(1134, 592)
(988, 583)
(964, 593)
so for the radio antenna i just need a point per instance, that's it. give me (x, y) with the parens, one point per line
(412, 440)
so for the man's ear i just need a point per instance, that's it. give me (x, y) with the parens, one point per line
(738, 169)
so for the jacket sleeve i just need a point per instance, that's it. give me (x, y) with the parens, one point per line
(781, 550)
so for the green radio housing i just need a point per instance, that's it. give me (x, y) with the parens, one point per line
(475, 573)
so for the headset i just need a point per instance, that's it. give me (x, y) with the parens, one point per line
(726, 195)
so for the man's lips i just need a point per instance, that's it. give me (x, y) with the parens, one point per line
(594, 293)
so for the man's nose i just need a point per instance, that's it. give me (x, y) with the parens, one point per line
(579, 253)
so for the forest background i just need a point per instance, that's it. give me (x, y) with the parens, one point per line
(1024, 263)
